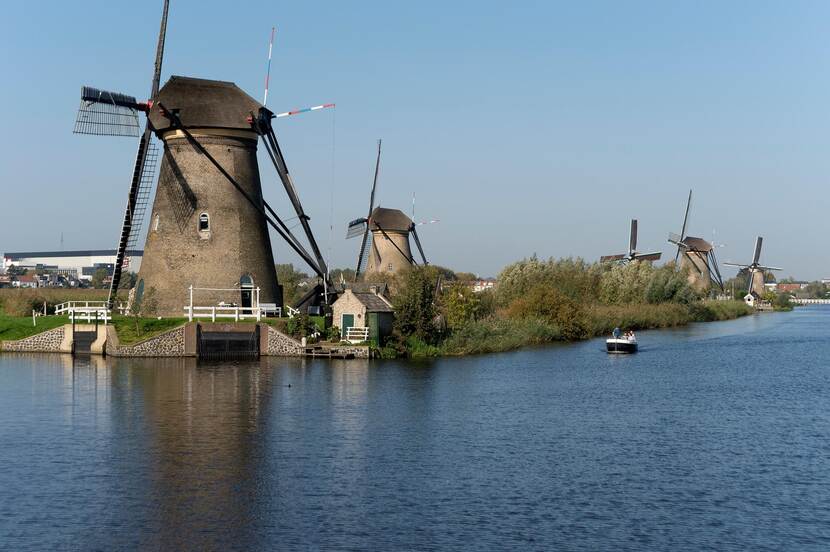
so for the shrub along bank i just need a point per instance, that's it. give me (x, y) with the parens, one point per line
(542, 302)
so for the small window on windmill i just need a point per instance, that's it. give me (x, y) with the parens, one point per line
(204, 226)
(389, 267)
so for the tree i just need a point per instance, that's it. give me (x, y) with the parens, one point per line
(414, 304)
(15, 270)
(347, 274)
(99, 277)
(290, 278)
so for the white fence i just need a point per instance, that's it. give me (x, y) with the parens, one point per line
(87, 311)
(254, 311)
(235, 312)
(810, 301)
(357, 335)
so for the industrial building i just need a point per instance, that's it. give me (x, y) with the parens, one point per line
(80, 265)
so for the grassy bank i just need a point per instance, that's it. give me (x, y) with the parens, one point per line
(21, 302)
(495, 334)
(132, 330)
(20, 327)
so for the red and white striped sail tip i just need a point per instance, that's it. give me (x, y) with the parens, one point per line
(306, 110)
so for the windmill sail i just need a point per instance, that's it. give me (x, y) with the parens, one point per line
(139, 174)
(104, 113)
(365, 242)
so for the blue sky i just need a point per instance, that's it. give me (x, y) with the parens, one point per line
(525, 127)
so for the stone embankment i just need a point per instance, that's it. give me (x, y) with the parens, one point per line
(50, 341)
(178, 342)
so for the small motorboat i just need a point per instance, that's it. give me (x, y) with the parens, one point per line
(621, 346)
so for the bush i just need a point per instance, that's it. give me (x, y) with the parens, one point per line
(546, 303)
(498, 334)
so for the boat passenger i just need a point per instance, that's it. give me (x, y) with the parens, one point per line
(616, 333)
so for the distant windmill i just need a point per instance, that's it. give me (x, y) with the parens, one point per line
(756, 272)
(696, 254)
(632, 254)
(385, 244)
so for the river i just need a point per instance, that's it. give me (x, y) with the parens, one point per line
(715, 436)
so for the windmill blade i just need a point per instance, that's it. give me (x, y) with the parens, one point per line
(418, 243)
(632, 237)
(742, 266)
(144, 145)
(610, 258)
(757, 255)
(366, 235)
(675, 239)
(374, 183)
(647, 256)
(304, 110)
(356, 228)
(683, 228)
(363, 255)
(103, 113)
(423, 222)
(759, 267)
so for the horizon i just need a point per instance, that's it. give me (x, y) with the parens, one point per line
(523, 136)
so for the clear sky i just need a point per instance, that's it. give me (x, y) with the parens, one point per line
(525, 127)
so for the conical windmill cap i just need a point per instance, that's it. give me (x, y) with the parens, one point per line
(203, 103)
(393, 220)
(697, 244)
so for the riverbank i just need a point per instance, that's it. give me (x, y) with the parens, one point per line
(498, 334)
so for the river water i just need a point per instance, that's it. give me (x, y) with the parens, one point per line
(715, 436)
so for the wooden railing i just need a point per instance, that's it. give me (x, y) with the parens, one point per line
(357, 335)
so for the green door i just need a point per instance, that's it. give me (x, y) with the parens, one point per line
(372, 322)
(346, 322)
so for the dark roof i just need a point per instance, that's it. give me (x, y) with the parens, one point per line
(373, 302)
(204, 103)
(367, 287)
(390, 219)
(697, 244)
(81, 253)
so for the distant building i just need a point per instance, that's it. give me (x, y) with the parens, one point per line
(791, 287)
(76, 264)
(483, 285)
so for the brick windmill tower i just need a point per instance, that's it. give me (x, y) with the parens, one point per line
(209, 221)
(385, 248)
(697, 256)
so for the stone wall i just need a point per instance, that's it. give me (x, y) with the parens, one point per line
(280, 344)
(359, 351)
(44, 342)
(168, 344)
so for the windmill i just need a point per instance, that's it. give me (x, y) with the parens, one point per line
(384, 246)
(209, 220)
(632, 254)
(756, 273)
(697, 255)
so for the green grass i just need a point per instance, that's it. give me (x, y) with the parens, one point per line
(20, 327)
(131, 330)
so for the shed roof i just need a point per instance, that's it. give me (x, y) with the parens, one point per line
(373, 302)
(204, 103)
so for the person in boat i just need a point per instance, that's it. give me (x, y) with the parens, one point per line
(616, 333)
(630, 335)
